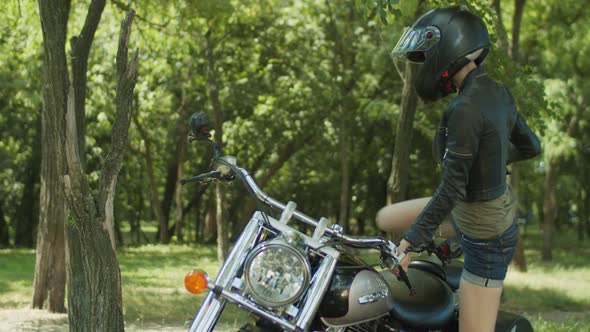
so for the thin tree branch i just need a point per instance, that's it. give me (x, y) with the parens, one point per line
(125, 8)
(80, 50)
(127, 77)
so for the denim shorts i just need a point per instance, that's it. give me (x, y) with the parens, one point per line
(486, 260)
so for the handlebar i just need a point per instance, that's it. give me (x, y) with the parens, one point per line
(266, 199)
(390, 255)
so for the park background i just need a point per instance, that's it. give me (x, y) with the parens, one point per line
(308, 98)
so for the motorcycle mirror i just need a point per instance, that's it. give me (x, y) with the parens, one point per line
(199, 127)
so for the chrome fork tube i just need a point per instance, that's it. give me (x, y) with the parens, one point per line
(212, 306)
(322, 277)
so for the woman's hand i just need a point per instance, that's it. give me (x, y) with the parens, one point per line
(405, 262)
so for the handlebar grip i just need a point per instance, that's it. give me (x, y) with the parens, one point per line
(201, 177)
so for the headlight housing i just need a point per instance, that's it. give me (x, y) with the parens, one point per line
(276, 274)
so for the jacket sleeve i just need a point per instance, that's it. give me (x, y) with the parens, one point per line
(524, 143)
(464, 128)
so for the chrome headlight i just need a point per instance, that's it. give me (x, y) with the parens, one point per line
(276, 274)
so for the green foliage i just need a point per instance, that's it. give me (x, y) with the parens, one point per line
(292, 77)
(20, 104)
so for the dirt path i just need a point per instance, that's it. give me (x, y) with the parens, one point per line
(28, 320)
(32, 320)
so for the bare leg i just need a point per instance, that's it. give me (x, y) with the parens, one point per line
(397, 218)
(478, 307)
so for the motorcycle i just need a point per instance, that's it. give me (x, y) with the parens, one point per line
(296, 273)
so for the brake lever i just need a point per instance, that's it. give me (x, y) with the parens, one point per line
(404, 277)
(394, 256)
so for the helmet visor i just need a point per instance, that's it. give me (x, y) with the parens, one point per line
(415, 41)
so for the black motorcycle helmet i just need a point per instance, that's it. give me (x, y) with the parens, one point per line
(443, 40)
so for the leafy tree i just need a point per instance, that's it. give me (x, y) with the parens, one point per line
(93, 271)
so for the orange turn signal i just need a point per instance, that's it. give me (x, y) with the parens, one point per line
(196, 281)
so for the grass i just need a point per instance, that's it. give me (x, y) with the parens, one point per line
(555, 296)
(152, 281)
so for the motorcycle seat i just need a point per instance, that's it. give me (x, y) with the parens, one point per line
(432, 307)
(450, 273)
(428, 266)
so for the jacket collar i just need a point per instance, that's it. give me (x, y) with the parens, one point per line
(472, 76)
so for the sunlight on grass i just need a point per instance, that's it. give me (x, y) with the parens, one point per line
(555, 297)
(566, 323)
(554, 289)
(17, 269)
(563, 284)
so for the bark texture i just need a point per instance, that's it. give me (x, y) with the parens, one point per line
(50, 275)
(80, 51)
(94, 278)
(94, 282)
(516, 23)
(398, 179)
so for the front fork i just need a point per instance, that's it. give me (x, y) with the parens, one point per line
(213, 305)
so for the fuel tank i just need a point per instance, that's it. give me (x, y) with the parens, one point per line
(357, 294)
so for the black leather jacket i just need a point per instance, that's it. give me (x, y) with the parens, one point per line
(480, 133)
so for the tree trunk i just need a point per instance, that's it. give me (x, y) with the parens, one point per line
(581, 212)
(222, 236)
(178, 201)
(587, 214)
(94, 282)
(209, 228)
(135, 222)
(516, 20)
(550, 200)
(50, 263)
(586, 220)
(27, 215)
(170, 187)
(361, 224)
(95, 297)
(94, 278)
(163, 235)
(50, 275)
(398, 179)
(344, 138)
(182, 129)
(502, 41)
(4, 236)
(549, 208)
(80, 46)
(519, 259)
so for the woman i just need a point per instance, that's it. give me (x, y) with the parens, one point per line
(480, 133)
